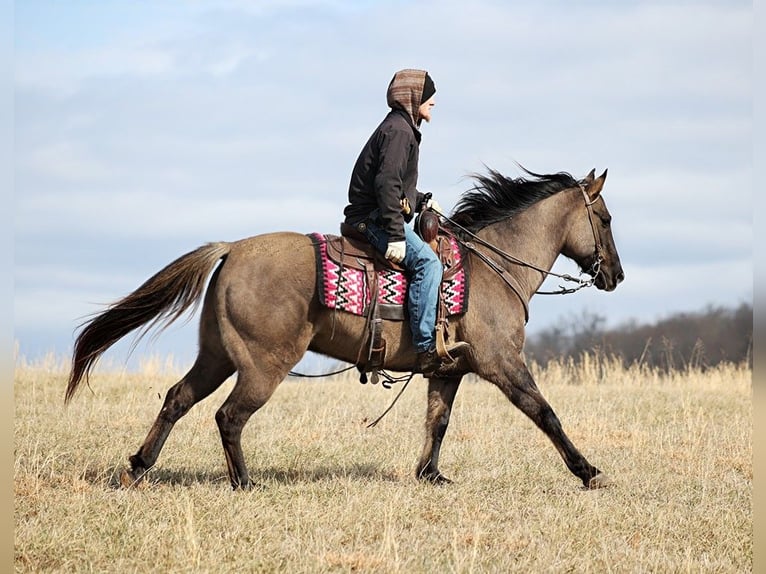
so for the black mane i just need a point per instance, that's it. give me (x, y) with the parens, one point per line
(495, 197)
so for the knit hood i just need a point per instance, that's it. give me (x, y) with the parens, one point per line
(405, 92)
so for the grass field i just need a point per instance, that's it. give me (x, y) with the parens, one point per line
(335, 496)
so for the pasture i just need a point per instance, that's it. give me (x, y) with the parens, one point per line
(335, 496)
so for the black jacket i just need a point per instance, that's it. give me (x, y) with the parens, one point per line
(385, 173)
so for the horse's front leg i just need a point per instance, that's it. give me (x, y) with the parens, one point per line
(517, 384)
(441, 395)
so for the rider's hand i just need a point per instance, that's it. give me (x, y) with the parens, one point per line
(433, 205)
(396, 251)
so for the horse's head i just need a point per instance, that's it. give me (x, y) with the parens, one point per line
(590, 242)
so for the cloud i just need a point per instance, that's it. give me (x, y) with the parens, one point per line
(67, 161)
(157, 215)
(62, 75)
(143, 131)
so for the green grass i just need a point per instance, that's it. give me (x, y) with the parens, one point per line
(335, 496)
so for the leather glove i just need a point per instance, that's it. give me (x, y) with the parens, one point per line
(396, 251)
(433, 205)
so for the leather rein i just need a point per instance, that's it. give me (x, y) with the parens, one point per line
(501, 271)
(497, 268)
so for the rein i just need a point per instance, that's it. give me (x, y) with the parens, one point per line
(388, 382)
(321, 375)
(497, 268)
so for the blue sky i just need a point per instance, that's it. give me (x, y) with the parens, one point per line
(143, 130)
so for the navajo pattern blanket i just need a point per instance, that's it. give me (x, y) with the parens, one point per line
(348, 290)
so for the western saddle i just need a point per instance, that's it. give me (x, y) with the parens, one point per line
(352, 250)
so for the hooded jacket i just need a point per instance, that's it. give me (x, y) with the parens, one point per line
(386, 170)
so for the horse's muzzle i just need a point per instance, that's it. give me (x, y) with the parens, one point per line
(607, 279)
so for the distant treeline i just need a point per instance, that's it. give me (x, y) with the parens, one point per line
(684, 340)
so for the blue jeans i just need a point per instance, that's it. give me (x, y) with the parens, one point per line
(425, 276)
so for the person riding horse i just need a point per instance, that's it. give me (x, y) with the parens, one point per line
(257, 324)
(383, 198)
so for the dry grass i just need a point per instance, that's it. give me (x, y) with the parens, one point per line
(338, 497)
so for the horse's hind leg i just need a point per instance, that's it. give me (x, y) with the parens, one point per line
(441, 395)
(517, 384)
(254, 387)
(205, 376)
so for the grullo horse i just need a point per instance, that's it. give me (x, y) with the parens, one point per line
(261, 313)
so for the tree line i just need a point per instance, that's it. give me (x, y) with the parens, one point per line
(684, 340)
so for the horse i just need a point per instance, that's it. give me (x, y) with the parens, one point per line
(261, 313)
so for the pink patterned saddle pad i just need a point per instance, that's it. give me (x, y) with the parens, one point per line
(347, 289)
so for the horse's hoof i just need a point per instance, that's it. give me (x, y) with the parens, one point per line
(599, 481)
(246, 486)
(435, 478)
(441, 479)
(129, 478)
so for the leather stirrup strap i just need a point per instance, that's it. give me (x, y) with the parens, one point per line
(441, 345)
(441, 327)
(376, 353)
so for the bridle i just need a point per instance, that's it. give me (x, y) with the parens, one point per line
(599, 253)
(502, 272)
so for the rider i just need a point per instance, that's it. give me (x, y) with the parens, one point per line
(383, 198)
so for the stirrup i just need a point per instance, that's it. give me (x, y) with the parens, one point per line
(433, 362)
(456, 350)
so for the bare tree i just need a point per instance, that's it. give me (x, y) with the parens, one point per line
(683, 340)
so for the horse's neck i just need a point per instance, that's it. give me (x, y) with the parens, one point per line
(535, 236)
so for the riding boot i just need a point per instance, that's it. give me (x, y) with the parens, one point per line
(429, 362)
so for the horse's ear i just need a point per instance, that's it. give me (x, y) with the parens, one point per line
(589, 178)
(594, 188)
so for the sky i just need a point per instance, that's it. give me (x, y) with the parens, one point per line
(145, 129)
